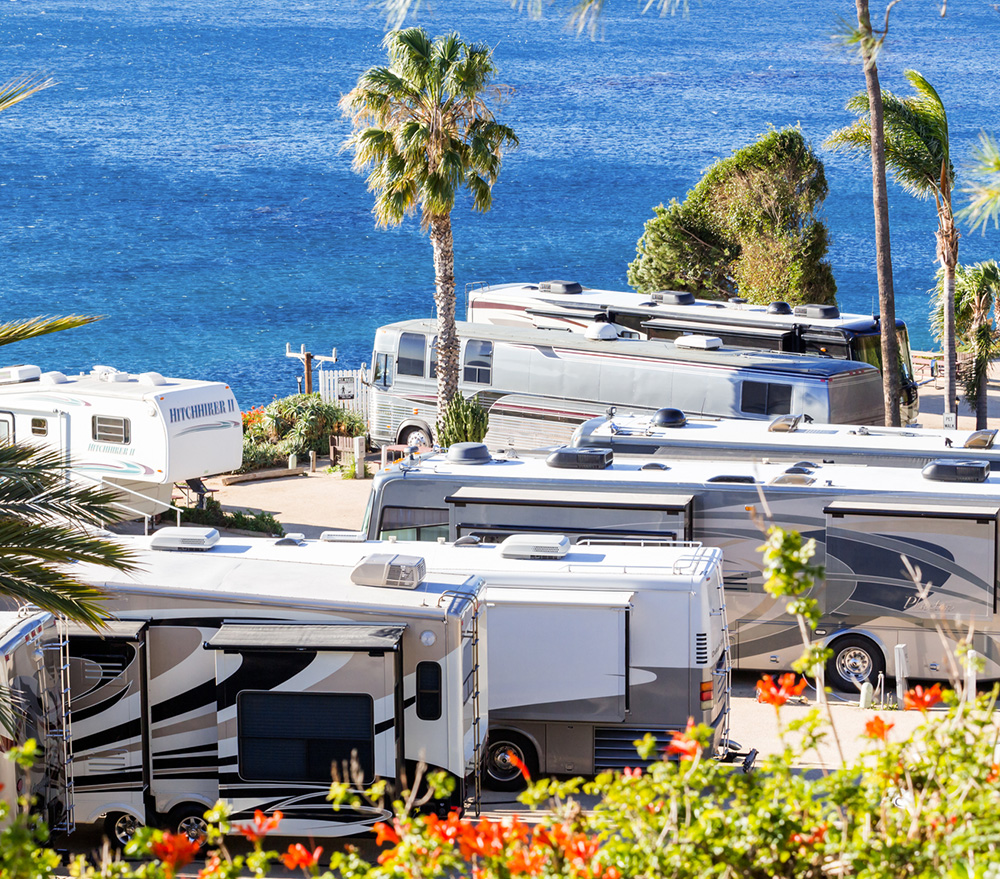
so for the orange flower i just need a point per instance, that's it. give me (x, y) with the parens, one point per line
(299, 856)
(629, 772)
(261, 827)
(684, 744)
(385, 833)
(519, 765)
(817, 836)
(922, 699)
(174, 850)
(212, 867)
(445, 831)
(994, 775)
(778, 694)
(876, 728)
(530, 861)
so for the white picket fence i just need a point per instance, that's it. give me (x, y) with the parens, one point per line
(347, 388)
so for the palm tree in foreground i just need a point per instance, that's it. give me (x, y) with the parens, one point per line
(984, 190)
(423, 130)
(917, 153)
(16, 90)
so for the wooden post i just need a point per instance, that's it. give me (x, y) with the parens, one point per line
(307, 362)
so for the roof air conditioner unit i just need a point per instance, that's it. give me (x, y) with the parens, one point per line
(947, 470)
(11, 375)
(534, 546)
(559, 287)
(817, 312)
(672, 297)
(704, 343)
(567, 458)
(184, 539)
(390, 570)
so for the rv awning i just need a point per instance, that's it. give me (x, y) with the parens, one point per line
(548, 497)
(568, 597)
(122, 630)
(918, 510)
(333, 636)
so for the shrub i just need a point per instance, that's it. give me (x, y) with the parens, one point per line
(216, 517)
(463, 421)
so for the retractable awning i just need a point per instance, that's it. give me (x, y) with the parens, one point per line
(550, 497)
(330, 636)
(915, 509)
(121, 630)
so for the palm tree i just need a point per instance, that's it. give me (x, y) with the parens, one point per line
(984, 190)
(977, 296)
(917, 152)
(423, 127)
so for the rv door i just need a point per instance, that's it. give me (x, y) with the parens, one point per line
(6, 428)
(298, 702)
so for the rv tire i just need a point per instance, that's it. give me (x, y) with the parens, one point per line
(188, 820)
(415, 436)
(120, 827)
(855, 659)
(499, 773)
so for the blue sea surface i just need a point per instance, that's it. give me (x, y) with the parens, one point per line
(186, 178)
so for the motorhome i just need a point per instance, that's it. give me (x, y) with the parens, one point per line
(670, 434)
(592, 646)
(243, 669)
(820, 330)
(139, 434)
(538, 385)
(33, 678)
(944, 518)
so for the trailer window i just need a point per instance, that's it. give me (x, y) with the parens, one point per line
(428, 690)
(298, 736)
(478, 361)
(382, 371)
(762, 398)
(408, 523)
(411, 354)
(109, 429)
(39, 427)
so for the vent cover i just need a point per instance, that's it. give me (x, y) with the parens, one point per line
(560, 287)
(701, 648)
(580, 459)
(981, 439)
(468, 453)
(672, 297)
(669, 418)
(946, 470)
(534, 546)
(779, 308)
(391, 571)
(184, 539)
(703, 343)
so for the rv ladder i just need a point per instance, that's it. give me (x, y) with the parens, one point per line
(727, 668)
(56, 730)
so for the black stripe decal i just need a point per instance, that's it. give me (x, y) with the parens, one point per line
(384, 725)
(123, 731)
(198, 696)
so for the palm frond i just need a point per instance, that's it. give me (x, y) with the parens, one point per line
(22, 330)
(983, 191)
(16, 90)
(11, 708)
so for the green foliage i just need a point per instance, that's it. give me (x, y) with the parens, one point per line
(463, 421)
(749, 227)
(216, 517)
(294, 425)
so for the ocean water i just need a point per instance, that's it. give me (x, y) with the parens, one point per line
(186, 180)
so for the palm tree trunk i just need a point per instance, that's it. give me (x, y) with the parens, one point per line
(444, 299)
(947, 240)
(883, 256)
(982, 400)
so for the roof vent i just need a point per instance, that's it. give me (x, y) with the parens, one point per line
(704, 343)
(601, 332)
(154, 379)
(737, 300)
(737, 478)
(580, 459)
(949, 470)
(793, 477)
(534, 546)
(343, 537)
(981, 439)
(390, 570)
(54, 378)
(11, 375)
(654, 465)
(784, 424)
(779, 308)
(560, 287)
(109, 374)
(672, 297)
(468, 453)
(184, 539)
(669, 418)
(818, 312)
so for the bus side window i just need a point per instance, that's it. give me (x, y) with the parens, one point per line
(411, 354)
(478, 361)
(382, 371)
(433, 370)
(761, 398)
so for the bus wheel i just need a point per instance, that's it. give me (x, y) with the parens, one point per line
(500, 771)
(855, 659)
(415, 436)
(120, 827)
(188, 820)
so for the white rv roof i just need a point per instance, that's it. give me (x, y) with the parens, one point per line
(256, 569)
(684, 476)
(102, 382)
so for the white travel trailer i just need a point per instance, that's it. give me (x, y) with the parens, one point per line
(137, 433)
(820, 330)
(243, 669)
(944, 518)
(538, 385)
(593, 646)
(33, 673)
(669, 434)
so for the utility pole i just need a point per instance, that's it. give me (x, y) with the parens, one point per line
(307, 359)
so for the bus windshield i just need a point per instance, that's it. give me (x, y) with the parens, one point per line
(868, 349)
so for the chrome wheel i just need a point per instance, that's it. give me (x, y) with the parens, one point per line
(415, 436)
(500, 769)
(121, 827)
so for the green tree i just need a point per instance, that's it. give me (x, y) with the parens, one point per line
(423, 130)
(984, 190)
(917, 152)
(977, 294)
(748, 226)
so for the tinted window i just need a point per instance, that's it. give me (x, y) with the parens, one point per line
(411, 354)
(478, 361)
(761, 398)
(299, 736)
(408, 523)
(382, 371)
(428, 690)
(39, 427)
